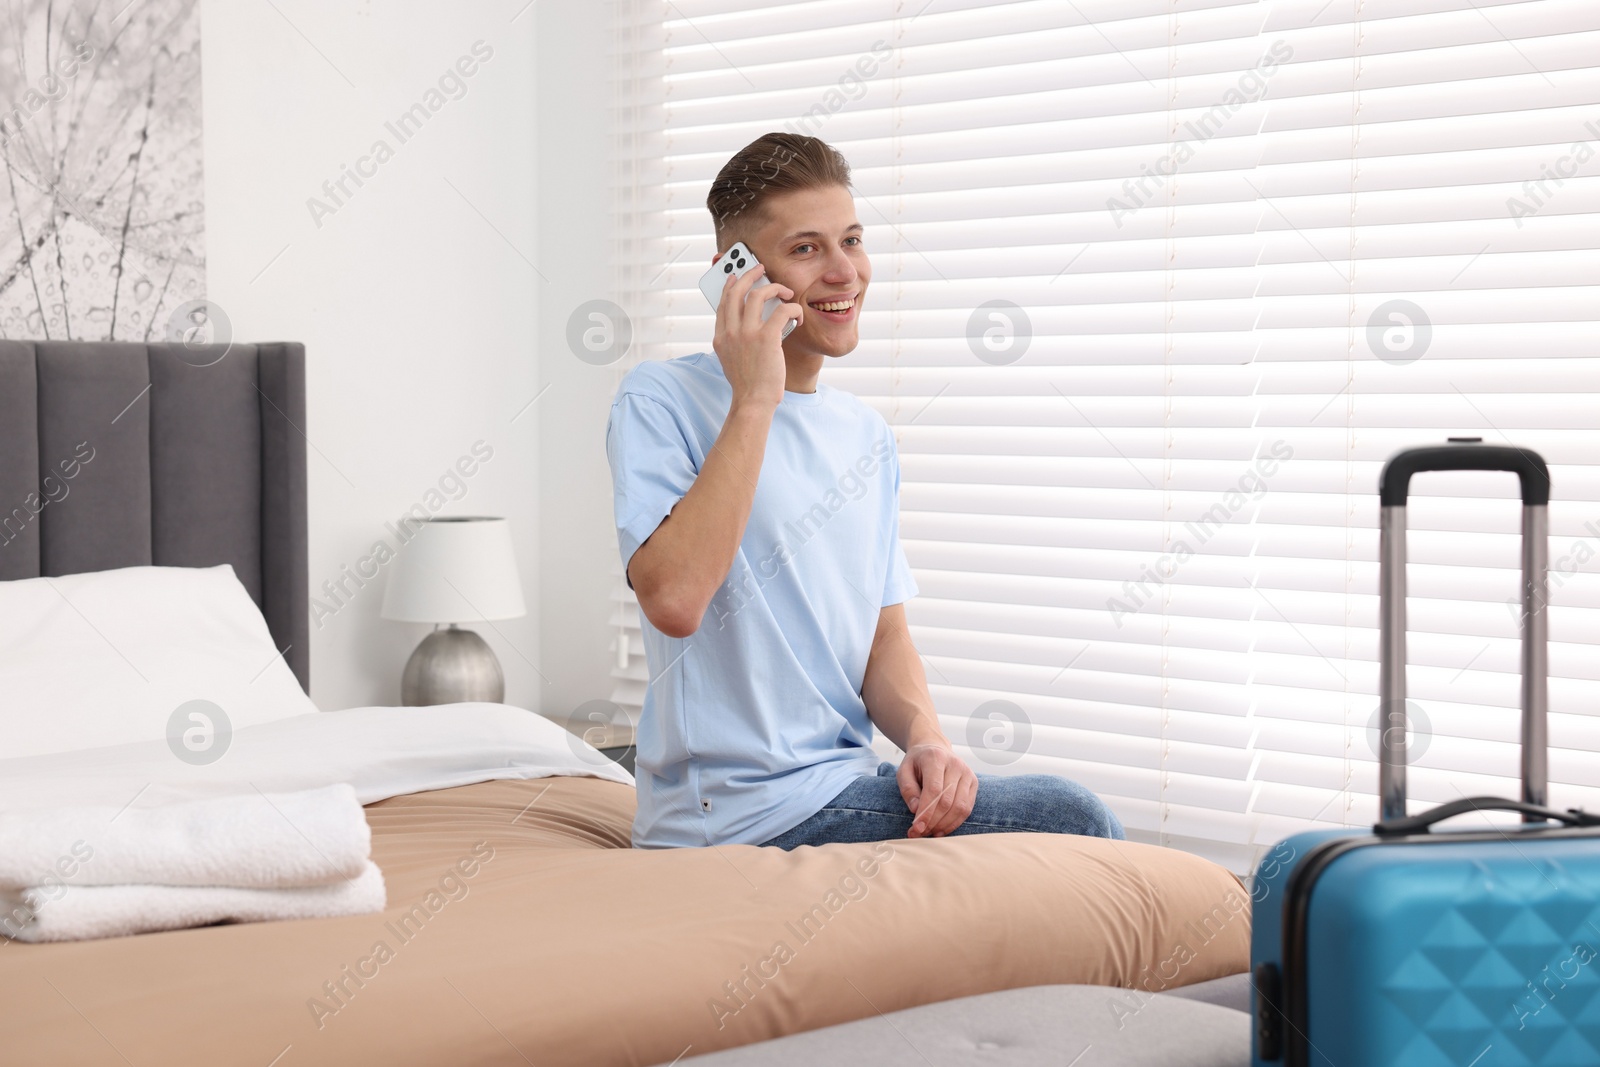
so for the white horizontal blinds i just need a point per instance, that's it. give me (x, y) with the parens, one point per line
(1199, 207)
(1419, 196)
(1034, 489)
(638, 139)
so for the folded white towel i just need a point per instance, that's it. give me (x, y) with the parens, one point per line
(79, 912)
(254, 839)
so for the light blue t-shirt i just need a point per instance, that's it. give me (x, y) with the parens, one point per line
(755, 721)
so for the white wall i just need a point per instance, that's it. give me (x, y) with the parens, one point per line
(416, 301)
(576, 535)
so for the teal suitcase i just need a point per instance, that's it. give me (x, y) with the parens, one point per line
(1414, 945)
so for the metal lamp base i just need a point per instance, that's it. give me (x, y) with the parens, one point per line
(452, 666)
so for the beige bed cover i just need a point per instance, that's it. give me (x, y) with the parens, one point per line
(521, 928)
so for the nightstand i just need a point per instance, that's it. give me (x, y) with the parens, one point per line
(622, 755)
(613, 738)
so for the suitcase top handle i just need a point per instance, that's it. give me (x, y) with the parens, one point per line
(1413, 824)
(1462, 453)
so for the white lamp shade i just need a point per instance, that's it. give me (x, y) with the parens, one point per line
(455, 570)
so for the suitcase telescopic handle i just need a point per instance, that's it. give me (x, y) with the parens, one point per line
(1462, 453)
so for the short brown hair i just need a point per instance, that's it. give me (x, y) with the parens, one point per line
(772, 163)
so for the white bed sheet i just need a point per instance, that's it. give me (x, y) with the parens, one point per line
(381, 752)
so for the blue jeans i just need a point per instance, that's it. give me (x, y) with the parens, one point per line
(872, 809)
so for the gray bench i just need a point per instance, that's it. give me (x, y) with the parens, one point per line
(1203, 1025)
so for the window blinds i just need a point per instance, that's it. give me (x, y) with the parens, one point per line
(1157, 288)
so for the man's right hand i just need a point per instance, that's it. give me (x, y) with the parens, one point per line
(678, 569)
(751, 351)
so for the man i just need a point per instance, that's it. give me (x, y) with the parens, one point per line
(757, 512)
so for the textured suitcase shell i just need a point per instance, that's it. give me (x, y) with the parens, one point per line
(1448, 948)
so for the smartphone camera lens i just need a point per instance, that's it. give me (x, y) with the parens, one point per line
(741, 264)
(727, 268)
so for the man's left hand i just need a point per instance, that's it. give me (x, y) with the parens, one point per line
(939, 789)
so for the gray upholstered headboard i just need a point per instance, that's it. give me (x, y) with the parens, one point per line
(194, 463)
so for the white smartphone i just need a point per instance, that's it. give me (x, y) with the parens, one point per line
(736, 261)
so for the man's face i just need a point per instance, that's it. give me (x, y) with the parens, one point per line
(810, 240)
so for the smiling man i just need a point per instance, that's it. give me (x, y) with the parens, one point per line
(757, 513)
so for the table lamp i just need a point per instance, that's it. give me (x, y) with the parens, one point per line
(453, 570)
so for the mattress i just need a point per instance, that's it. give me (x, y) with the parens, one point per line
(522, 928)
(1036, 1026)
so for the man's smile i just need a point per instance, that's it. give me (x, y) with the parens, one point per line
(835, 308)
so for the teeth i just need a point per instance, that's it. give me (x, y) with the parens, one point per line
(835, 305)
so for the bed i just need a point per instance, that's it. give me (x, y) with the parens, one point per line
(563, 945)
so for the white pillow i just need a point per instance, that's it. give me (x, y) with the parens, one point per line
(108, 657)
